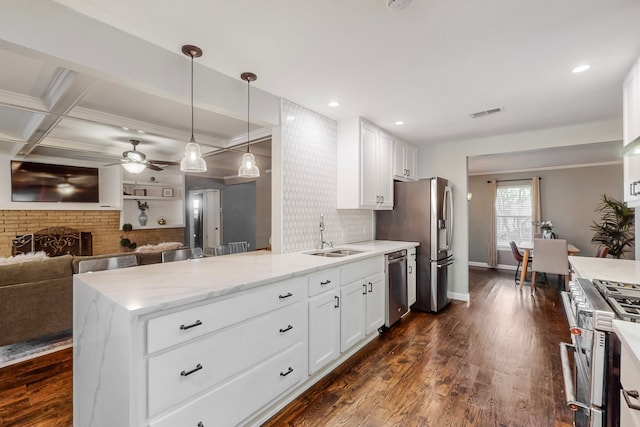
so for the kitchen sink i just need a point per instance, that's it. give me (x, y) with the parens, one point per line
(336, 253)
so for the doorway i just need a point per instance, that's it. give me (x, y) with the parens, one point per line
(205, 223)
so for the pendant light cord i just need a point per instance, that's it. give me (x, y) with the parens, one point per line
(248, 106)
(192, 138)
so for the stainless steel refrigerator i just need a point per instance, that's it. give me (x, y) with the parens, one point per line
(423, 212)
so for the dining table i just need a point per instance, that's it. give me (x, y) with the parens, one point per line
(527, 247)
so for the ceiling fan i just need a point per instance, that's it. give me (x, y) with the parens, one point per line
(135, 161)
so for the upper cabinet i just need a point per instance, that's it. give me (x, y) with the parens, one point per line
(405, 161)
(161, 192)
(631, 105)
(365, 156)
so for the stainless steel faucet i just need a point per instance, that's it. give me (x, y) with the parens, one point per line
(322, 241)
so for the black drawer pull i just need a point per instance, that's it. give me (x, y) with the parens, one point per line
(200, 424)
(337, 302)
(185, 373)
(364, 287)
(289, 294)
(193, 325)
(635, 395)
(288, 328)
(284, 374)
(326, 282)
(370, 287)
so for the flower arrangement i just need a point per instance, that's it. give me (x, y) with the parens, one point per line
(143, 206)
(544, 225)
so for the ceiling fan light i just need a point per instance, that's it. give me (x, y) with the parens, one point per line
(134, 167)
(248, 169)
(65, 189)
(192, 161)
(135, 156)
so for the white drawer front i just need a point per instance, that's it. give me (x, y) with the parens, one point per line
(630, 380)
(361, 269)
(323, 281)
(181, 326)
(220, 356)
(237, 399)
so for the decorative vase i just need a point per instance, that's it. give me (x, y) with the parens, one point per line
(142, 218)
(547, 234)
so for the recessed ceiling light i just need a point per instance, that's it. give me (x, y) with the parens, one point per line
(581, 68)
(290, 118)
(125, 128)
(399, 123)
(334, 104)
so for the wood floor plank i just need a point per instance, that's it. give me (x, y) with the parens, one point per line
(491, 362)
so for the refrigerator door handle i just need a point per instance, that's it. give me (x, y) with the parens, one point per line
(447, 214)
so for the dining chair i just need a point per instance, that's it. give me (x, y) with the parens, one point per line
(237, 247)
(518, 257)
(550, 256)
(602, 251)
(181, 254)
(108, 263)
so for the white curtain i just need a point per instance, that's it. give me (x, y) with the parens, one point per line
(535, 203)
(492, 259)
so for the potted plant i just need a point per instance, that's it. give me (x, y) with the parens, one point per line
(615, 228)
(125, 242)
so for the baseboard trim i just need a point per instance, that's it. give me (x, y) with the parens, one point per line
(459, 296)
(499, 267)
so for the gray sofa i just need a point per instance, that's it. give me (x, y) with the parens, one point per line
(36, 297)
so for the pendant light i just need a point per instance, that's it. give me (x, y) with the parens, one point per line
(248, 168)
(192, 161)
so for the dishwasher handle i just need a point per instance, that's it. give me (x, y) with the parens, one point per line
(396, 256)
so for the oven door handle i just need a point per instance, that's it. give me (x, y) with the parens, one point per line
(569, 391)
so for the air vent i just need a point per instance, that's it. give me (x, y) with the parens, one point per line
(486, 112)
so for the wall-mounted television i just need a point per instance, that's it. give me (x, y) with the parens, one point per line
(41, 182)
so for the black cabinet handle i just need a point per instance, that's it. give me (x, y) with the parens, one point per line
(337, 302)
(635, 395)
(196, 369)
(284, 374)
(326, 282)
(193, 325)
(364, 286)
(288, 328)
(289, 294)
(200, 424)
(370, 287)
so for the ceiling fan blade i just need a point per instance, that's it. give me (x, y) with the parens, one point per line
(163, 162)
(153, 167)
(113, 164)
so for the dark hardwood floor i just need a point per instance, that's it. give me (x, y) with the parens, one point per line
(491, 362)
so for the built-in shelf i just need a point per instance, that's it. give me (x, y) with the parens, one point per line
(164, 194)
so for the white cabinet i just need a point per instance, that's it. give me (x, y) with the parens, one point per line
(405, 161)
(411, 277)
(362, 300)
(365, 155)
(630, 382)
(631, 104)
(162, 192)
(630, 132)
(324, 319)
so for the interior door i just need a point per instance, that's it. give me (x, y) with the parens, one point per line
(205, 224)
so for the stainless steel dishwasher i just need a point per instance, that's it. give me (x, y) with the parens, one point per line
(396, 286)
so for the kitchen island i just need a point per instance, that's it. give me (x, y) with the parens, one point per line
(220, 340)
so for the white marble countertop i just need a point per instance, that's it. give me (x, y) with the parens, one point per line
(629, 333)
(147, 288)
(619, 270)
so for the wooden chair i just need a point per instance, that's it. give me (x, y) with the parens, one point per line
(550, 256)
(109, 263)
(518, 257)
(602, 251)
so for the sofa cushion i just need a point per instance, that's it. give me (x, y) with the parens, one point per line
(37, 270)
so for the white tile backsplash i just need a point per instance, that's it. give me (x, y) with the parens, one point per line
(309, 162)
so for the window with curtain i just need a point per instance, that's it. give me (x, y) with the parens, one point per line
(513, 209)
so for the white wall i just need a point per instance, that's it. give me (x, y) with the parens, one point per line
(449, 160)
(305, 154)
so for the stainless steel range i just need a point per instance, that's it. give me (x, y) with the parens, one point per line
(592, 382)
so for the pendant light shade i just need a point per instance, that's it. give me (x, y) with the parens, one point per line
(248, 168)
(192, 161)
